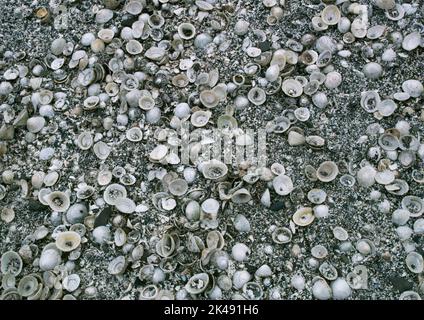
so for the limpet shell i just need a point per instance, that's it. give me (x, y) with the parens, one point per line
(117, 266)
(257, 96)
(398, 187)
(281, 235)
(134, 134)
(11, 263)
(200, 118)
(186, 31)
(208, 98)
(85, 140)
(317, 196)
(197, 283)
(414, 204)
(125, 205)
(158, 153)
(282, 184)
(7, 215)
(415, 262)
(68, 241)
(411, 41)
(27, 286)
(340, 233)
(413, 87)
(303, 216)
(214, 169)
(327, 171)
(101, 150)
(328, 271)
(114, 192)
(58, 201)
(178, 187)
(292, 88)
(319, 251)
(331, 15)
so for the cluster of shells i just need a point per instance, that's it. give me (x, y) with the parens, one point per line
(83, 107)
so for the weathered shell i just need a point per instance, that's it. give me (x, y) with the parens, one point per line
(125, 205)
(411, 41)
(317, 196)
(7, 214)
(328, 271)
(85, 140)
(415, 262)
(27, 286)
(186, 31)
(134, 134)
(327, 171)
(303, 216)
(11, 263)
(114, 192)
(320, 289)
(292, 88)
(71, 282)
(209, 98)
(281, 235)
(101, 150)
(319, 251)
(214, 169)
(158, 153)
(331, 15)
(178, 187)
(414, 205)
(58, 201)
(282, 184)
(200, 118)
(117, 266)
(413, 87)
(198, 283)
(366, 176)
(386, 107)
(68, 241)
(257, 96)
(241, 196)
(398, 187)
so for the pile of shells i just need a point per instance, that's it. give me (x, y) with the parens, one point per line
(102, 136)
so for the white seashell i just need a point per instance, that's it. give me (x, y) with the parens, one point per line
(104, 15)
(85, 140)
(76, 213)
(178, 187)
(333, 80)
(317, 196)
(49, 259)
(272, 73)
(292, 88)
(35, 124)
(11, 263)
(186, 31)
(241, 224)
(414, 204)
(197, 283)
(134, 47)
(413, 87)
(303, 216)
(327, 171)
(241, 27)
(101, 150)
(320, 100)
(240, 252)
(283, 185)
(411, 41)
(340, 289)
(210, 206)
(386, 107)
(155, 53)
(372, 70)
(366, 176)
(385, 4)
(298, 282)
(257, 96)
(58, 201)
(158, 153)
(71, 282)
(415, 262)
(101, 234)
(400, 217)
(200, 118)
(266, 198)
(240, 278)
(282, 235)
(125, 205)
(321, 211)
(376, 32)
(51, 178)
(321, 290)
(68, 241)
(117, 266)
(384, 177)
(331, 15)
(214, 169)
(113, 193)
(340, 233)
